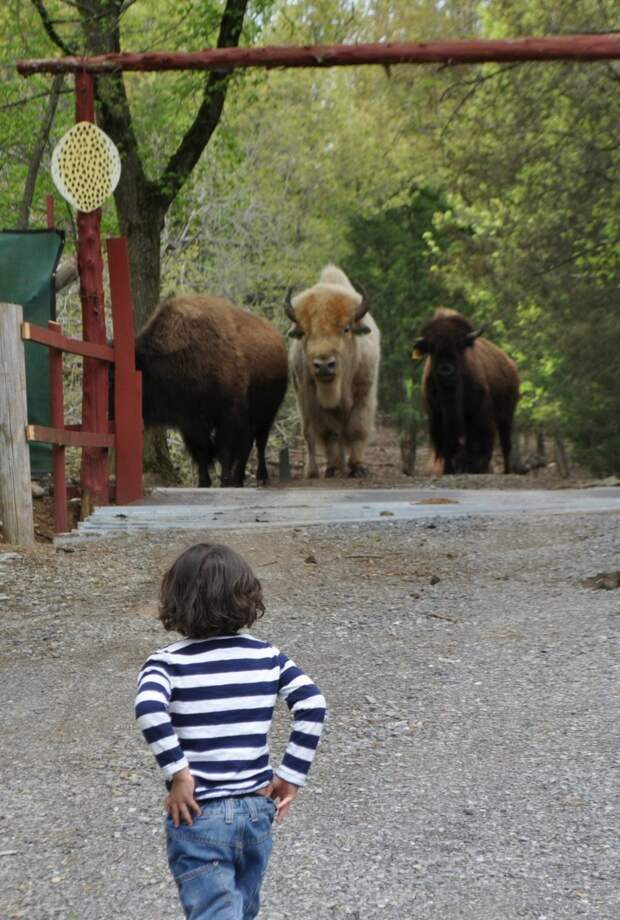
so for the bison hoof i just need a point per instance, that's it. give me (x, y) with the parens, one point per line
(330, 472)
(359, 472)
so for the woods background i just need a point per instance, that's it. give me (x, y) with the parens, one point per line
(492, 189)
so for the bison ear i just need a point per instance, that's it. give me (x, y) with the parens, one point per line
(362, 329)
(472, 336)
(295, 332)
(420, 348)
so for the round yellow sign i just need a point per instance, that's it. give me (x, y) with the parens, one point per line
(86, 166)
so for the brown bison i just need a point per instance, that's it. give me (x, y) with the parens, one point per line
(334, 361)
(470, 388)
(216, 373)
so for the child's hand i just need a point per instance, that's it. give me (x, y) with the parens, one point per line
(284, 794)
(180, 801)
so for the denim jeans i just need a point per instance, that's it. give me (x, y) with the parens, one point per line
(219, 861)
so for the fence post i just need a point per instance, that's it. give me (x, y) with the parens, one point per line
(127, 380)
(15, 487)
(94, 473)
(57, 407)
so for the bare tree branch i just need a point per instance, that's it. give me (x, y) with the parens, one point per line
(48, 25)
(37, 153)
(197, 137)
(27, 99)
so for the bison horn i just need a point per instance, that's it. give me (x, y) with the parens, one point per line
(288, 306)
(363, 307)
(472, 336)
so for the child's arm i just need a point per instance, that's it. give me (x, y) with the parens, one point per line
(152, 701)
(307, 705)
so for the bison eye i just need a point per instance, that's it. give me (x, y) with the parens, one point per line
(347, 328)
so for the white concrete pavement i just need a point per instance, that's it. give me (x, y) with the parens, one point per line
(221, 509)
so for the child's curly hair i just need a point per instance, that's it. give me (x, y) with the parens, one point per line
(210, 591)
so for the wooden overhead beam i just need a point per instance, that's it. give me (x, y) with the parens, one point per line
(549, 48)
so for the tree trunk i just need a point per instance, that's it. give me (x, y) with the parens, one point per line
(157, 460)
(561, 457)
(141, 222)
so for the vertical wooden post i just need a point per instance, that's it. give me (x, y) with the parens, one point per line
(127, 381)
(94, 474)
(57, 407)
(50, 212)
(15, 487)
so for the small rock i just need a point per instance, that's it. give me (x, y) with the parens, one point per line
(435, 579)
(606, 581)
(311, 559)
(37, 490)
(9, 557)
(386, 514)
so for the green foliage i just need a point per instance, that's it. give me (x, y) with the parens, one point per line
(532, 161)
(392, 256)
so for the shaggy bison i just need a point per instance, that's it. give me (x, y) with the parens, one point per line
(334, 361)
(218, 374)
(470, 388)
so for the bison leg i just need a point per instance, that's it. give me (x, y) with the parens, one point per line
(311, 469)
(334, 453)
(504, 430)
(198, 443)
(233, 443)
(357, 446)
(262, 475)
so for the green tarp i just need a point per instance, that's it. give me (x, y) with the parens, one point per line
(28, 261)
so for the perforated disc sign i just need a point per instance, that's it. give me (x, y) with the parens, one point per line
(86, 166)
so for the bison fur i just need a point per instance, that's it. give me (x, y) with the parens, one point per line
(216, 373)
(334, 358)
(470, 388)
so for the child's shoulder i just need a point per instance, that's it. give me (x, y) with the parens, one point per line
(242, 643)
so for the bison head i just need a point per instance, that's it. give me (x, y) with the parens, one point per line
(445, 340)
(327, 318)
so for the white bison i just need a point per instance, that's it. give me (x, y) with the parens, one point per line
(334, 360)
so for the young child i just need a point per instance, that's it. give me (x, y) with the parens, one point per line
(205, 706)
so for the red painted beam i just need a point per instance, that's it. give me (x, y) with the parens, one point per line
(481, 51)
(53, 339)
(69, 438)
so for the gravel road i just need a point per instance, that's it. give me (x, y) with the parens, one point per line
(469, 768)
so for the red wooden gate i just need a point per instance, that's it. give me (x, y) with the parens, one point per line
(96, 433)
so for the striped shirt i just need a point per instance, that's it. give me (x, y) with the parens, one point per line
(207, 704)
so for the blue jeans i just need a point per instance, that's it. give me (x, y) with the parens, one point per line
(219, 861)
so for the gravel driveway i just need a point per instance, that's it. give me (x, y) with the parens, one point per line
(469, 768)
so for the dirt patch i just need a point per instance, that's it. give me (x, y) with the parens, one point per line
(606, 581)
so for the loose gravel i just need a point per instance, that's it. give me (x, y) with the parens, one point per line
(469, 765)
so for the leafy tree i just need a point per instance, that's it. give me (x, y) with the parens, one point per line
(392, 256)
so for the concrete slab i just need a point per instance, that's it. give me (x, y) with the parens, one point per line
(221, 509)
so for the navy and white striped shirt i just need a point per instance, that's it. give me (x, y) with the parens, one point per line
(207, 704)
